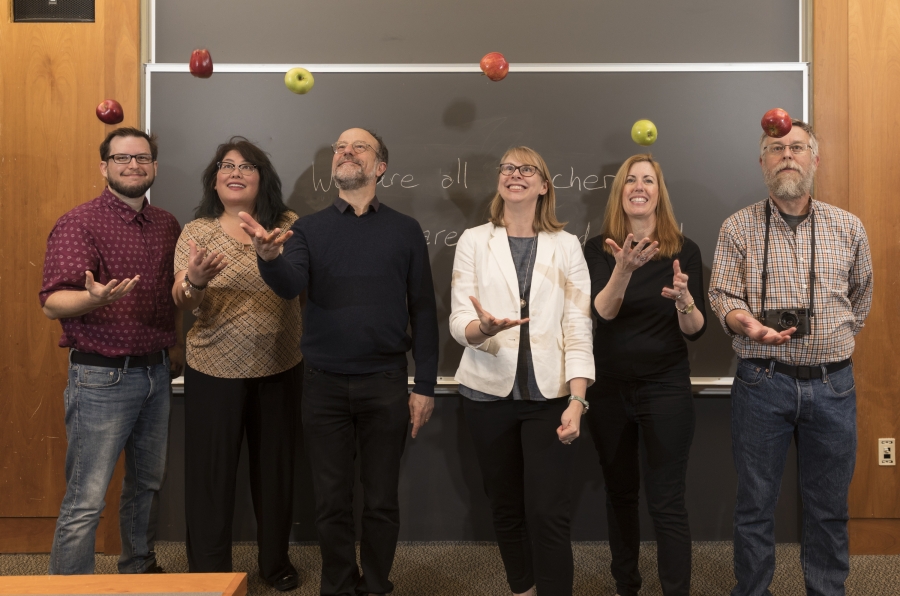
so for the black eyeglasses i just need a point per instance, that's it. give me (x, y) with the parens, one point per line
(228, 167)
(124, 158)
(508, 169)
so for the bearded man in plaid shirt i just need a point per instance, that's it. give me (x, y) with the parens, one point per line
(792, 284)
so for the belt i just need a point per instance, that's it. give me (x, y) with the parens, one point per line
(802, 373)
(119, 362)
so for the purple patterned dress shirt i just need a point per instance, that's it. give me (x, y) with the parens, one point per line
(113, 241)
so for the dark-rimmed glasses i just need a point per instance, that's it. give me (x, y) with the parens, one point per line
(124, 158)
(228, 167)
(527, 170)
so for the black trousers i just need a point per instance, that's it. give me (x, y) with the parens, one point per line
(217, 414)
(654, 419)
(338, 411)
(527, 475)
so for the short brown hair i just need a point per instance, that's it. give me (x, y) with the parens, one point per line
(127, 131)
(813, 140)
(545, 210)
(615, 223)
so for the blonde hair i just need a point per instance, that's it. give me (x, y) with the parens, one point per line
(615, 223)
(545, 210)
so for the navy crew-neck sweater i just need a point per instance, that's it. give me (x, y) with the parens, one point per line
(368, 279)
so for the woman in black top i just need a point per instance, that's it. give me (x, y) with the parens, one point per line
(647, 297)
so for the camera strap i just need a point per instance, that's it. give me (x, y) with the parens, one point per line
(812, 260)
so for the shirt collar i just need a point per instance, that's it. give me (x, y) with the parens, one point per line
(122, 209)
(342, 205)
(775, 211)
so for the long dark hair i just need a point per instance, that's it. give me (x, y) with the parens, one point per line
(269, 202)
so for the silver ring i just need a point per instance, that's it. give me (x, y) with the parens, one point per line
(678, 297)
(642, 259)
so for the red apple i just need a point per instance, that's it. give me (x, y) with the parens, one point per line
(776, 122)
(495, 66)
(110, 111)
(201, 63)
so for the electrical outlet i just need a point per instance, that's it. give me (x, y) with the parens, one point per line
(887, 452)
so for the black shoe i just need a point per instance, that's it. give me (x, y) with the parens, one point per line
(155, 568)
(287, 582)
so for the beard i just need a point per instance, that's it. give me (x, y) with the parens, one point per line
(134, 191)
(789, 188)
(351, 180)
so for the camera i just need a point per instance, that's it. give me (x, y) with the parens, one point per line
(781, 319)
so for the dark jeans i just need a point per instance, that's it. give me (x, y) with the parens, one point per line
(527, 475)
(654, 419)
(217, 413)
(767, 409)
(339, 410)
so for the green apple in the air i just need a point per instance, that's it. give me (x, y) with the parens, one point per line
(643, 132)
(299, 80)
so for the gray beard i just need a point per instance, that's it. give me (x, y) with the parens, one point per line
(132, 192)
(352, 181)
(789, 189)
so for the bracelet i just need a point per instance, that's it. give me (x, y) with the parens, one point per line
(582, 401)
(687, 309)
(193, 285)
(484, 333)
(187, 286)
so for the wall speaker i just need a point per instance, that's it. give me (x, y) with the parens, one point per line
(55, 11)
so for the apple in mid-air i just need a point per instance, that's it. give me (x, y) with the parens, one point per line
(643, 132)
(776, 123)
(495, 66)
(299, 80)
(110, 111)
(201, 63)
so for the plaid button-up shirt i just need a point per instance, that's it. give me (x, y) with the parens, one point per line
(843, 286)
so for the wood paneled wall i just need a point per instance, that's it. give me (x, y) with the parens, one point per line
(856, 91)
(52, 76)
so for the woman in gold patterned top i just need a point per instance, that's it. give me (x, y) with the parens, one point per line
(243, 356)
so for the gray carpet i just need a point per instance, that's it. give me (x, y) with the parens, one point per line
(472, 568)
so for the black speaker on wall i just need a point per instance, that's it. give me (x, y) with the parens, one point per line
(53, 11)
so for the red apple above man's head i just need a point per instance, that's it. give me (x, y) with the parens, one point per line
(110, 111)
(776, 123)
(495, 66)
(201, 63)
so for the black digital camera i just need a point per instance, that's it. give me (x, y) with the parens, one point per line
(782, 319)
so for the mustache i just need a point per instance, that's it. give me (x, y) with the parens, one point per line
(788, 167)
(349, 160)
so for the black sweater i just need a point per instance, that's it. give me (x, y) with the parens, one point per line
(368, 279)
(644, 341)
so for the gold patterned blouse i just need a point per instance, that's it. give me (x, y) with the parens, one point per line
(243, 329)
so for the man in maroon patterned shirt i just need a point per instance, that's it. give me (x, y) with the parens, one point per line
(107, 277)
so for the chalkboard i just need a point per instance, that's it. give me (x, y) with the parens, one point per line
(447, 131)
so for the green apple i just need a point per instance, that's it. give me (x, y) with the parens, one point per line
(643, 132)
(299, 80)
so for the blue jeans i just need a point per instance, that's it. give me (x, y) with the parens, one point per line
(108, 409)
(768, 409)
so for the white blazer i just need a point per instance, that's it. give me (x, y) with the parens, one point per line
(559, 306)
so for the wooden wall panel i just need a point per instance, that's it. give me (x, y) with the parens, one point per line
(874, 177)
(52, 76)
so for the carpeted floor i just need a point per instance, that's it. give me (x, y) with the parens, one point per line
(467, 568)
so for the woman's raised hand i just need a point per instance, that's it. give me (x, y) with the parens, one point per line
(679, 291)
(630, 258)
(267, 244)
(204, 265)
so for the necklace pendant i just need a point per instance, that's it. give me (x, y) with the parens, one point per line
(522, 301)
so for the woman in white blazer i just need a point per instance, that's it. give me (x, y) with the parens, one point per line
(521, 307)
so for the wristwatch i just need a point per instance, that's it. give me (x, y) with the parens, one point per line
(687, 309)
(187, 286)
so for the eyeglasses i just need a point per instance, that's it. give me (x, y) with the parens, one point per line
(778, 148)
(228, 167)
(124, 158)
(358, 147)
(508, 169)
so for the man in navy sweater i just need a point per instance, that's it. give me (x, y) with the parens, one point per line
(366, 271)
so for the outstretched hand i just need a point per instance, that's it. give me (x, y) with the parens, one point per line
(101, 295)
(204, 265)
(488, 324)
(267, 244)
(630, 258)
(679, 291)
(762, 334)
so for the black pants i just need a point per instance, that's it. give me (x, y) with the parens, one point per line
(217, 413)
(627, 419)
(527, 477)
(339, 410)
